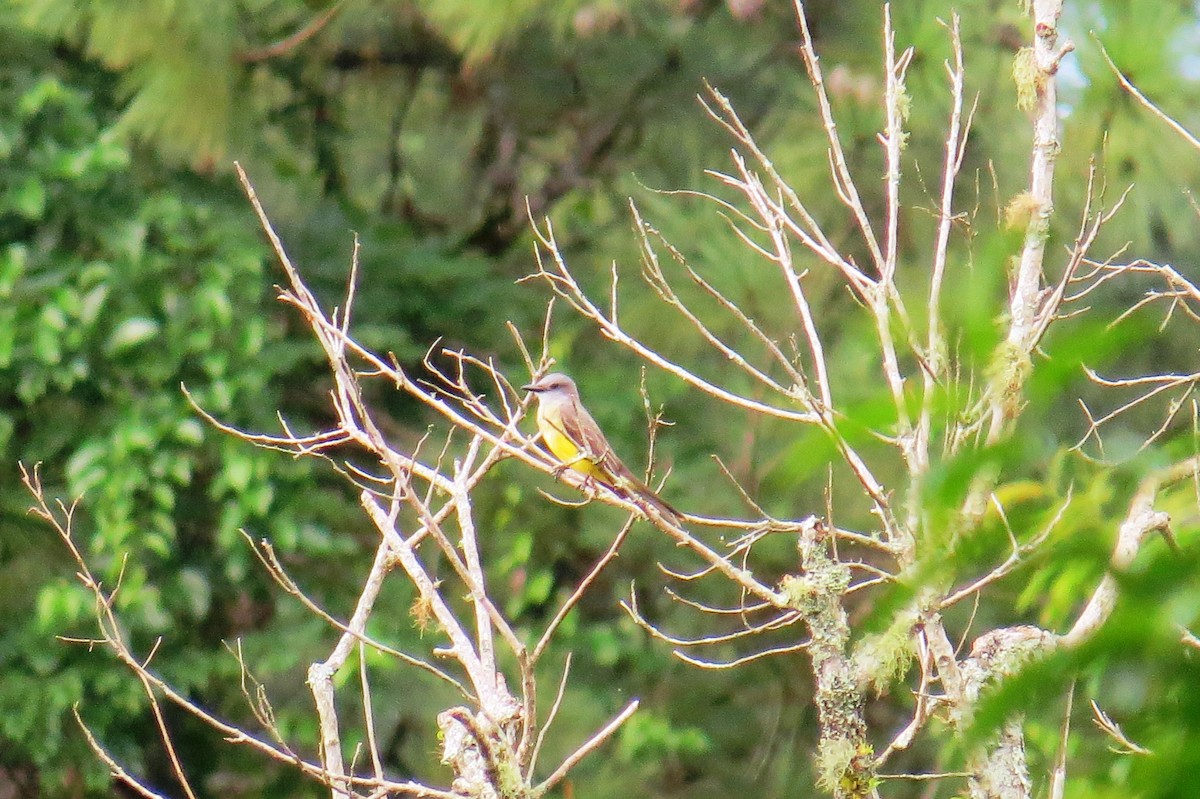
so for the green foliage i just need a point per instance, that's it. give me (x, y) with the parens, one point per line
(651, 736)
(181, 54)
(478, 35)
(116, 291)
(423, 127)
(1137, 673)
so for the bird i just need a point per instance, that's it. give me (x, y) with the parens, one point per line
(575, 439)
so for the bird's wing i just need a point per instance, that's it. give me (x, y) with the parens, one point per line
(581, 428)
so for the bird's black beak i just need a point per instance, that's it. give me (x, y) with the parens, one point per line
(534, 387)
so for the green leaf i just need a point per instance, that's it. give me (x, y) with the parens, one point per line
(238, 471)
(46, 91)
(27, 198)
(196, 591)
(189, 431)
(12, 266)
(8, 336)
(539, 586)
(131, 333)
(47, 335)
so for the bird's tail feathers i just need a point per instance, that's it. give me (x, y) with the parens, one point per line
(636, 489)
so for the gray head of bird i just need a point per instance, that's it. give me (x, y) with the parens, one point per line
(553, 383)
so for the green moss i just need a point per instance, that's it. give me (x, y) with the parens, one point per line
(903, 103)
(844, 768)
(1021, 211)
(883, 658)
(1007, 373)
(808, 592)
(834, 756)
(509, 779)
(1028, 78)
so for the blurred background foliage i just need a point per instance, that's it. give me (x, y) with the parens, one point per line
(130, 265)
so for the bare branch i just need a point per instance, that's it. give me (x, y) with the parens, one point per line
(741, 661)
(1027, 281)
(115, 768)
(582, 588)
(550, 717)
(1058, 777)
(1141, 521)
(587, 748)
(843, 180)
(1141, 98)
(1114, 731)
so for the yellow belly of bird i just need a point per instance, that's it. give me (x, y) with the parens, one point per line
(565, 450)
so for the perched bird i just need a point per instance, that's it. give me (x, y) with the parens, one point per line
(575, 439)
